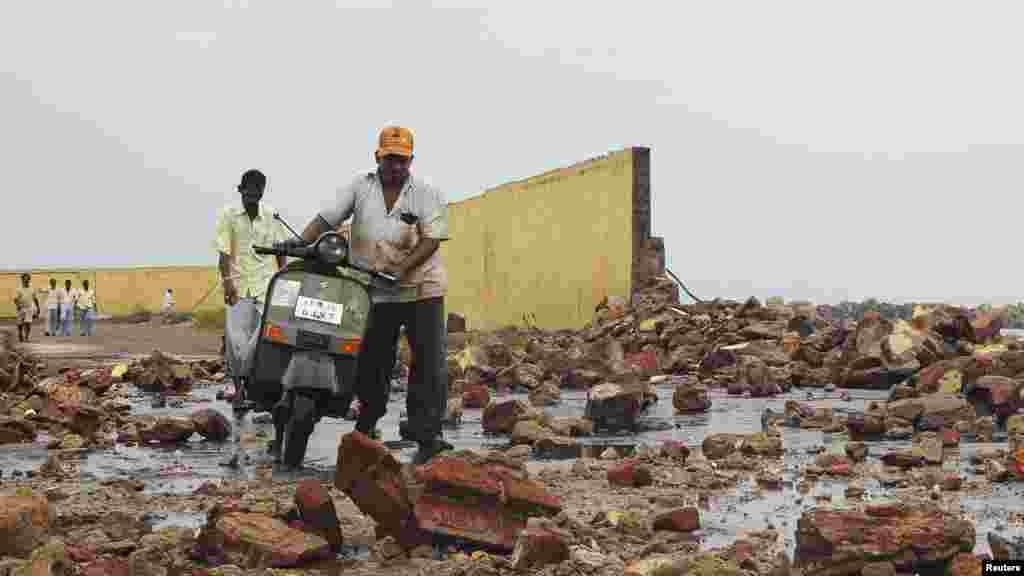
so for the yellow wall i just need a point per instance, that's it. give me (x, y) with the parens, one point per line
(552, 245)
(120, 291)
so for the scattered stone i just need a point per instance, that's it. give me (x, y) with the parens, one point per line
(630, 473)
(211, 425)
(24, 524)
(316, 508)
(539, 544)
(678, 520)
(899, 530)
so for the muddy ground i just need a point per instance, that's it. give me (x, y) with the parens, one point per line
(114, 496)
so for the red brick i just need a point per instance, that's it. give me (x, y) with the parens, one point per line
(316, 507)
(369, 475)
(630, 473)
(476, 396)
(678, 520)
(645, 362)
(950, 438)
(476, 522)
(450, 474)
(539, 545)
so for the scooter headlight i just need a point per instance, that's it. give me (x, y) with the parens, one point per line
(332, 249)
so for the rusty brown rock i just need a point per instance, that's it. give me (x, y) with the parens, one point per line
(965, 564)
(547, 394)
(16, 430)
(482, 501)
(630, 473)
(539, 544)
(831, 541)
(501, 417)
(476, 396)
(690, 397)
(372, 478)
(212, 425)
(281, 546)
(24, 524)
(678, 520)
(165, 429)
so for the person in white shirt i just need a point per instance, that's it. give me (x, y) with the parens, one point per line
(86, 305)
(67, 308)
(53, 300)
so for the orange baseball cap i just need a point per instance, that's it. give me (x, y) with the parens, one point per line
(395, 140)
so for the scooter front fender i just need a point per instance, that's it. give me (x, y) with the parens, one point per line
(311, 371)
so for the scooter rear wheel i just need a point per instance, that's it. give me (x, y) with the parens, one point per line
(298, 429)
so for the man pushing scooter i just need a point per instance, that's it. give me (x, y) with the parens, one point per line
(398, 224)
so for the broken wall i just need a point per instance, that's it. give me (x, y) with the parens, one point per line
(552, 245)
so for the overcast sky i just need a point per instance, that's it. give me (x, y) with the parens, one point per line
(818, 150)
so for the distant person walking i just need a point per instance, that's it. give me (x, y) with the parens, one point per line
(53, 302)
(167, 309)
(87, 310)
(26, 303)
(67, 309)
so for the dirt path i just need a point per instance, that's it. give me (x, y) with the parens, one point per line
(117, 341)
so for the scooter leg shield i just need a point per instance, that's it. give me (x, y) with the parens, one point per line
(298, 430)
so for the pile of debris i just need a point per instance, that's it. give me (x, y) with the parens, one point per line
(746, 348)
(83, 408)
(164, 373)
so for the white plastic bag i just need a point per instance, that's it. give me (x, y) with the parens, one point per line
(242, 330)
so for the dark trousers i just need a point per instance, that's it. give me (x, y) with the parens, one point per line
(427, 397)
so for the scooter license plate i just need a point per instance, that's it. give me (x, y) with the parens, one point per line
(319, 310)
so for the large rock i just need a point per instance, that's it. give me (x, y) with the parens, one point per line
(64, 399)
(999, 395)
(270, 539)
(948, 407)
(24, 524)
(1006, 548)
(16, 430)
(834, 542)
(720, 445)
(368, 474)
(540, 544)
(502, 417)
(212, 425)
(758, 379)
(529, 432)
(525, 376)
(547, 394)
(161, 372)
(316, 508)
(616, 405)
(165, 429)
(482, 501)
(690, 397)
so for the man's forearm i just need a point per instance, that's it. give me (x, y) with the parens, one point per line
(424, 249)
(225, 266)
(314, 229)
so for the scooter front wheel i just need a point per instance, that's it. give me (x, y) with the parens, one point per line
(298, 429)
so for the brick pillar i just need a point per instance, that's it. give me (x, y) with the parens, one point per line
(641, 216)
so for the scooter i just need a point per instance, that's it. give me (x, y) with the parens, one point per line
(315, 318)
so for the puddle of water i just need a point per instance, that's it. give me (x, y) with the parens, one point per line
(181, 469)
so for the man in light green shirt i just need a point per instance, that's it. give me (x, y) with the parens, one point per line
(245, 274)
